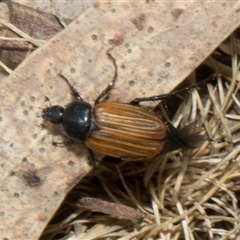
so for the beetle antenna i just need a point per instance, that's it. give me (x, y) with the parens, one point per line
(212, 77)
(72, 89)
(48, 100)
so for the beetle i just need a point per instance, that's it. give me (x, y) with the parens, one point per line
(125, 131)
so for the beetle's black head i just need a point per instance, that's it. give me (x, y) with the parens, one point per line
(75, 119)
(53, 114)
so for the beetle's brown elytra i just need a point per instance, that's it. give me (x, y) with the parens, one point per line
(125, 131)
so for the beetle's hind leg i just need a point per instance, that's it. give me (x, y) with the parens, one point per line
(136, 101)
(72, 89)
(94, 161)
(111, 84)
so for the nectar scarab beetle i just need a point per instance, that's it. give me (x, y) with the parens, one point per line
(125, 131)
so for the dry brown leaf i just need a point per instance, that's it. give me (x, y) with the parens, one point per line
(33, 23)
(115, 209)
(156, 45)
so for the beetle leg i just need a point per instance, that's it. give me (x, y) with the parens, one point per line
(136, 101)
(111, 84)
(93, 159)
(133, 159)
(72, 89)
(180, 140)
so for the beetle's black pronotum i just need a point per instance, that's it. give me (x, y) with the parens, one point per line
(124, 131)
